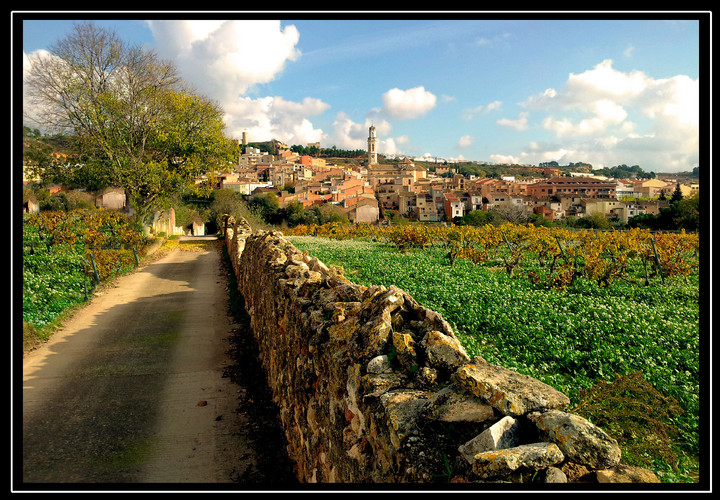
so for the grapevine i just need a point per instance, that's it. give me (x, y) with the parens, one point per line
(549, 257)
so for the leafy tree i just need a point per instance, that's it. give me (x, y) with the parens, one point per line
(594, 221)
(327, 213)
(225, 202)
(677, 194)
(687, 213)
(538, 220)
(267, 205)
(643, 221)
(294, 213)
(479, 218)
(133, 123)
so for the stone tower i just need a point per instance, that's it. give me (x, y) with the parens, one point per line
(372, 146)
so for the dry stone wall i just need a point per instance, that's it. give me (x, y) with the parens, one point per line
(372, 387)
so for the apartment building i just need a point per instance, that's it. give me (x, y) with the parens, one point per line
(588, 186)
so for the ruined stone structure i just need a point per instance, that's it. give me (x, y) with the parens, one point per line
(372, 387)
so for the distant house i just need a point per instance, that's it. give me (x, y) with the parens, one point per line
(427, 208)
(474, 201)
(197, 227)
(163, 221)
(588, 186)
(31, 205)
(407, 203)
(454, 207)
(630, 210)
(608, 208)
(549, 207)
(546, 212)
(652, 188)
(112, 199)
(245, 185)
(624, 189)
(261, 190)
(366, 210)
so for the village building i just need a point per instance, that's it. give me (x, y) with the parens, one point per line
(112, 199)
(650, 188)
(427, 208)
(549, 207)
(454, 207)
(607, 207)
(254, 157)
(590, 187)
(363, 209)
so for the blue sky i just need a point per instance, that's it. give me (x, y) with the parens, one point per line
(603, 91)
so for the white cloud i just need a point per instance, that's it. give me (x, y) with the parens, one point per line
(348, 134)
(520, 124)
(465, 141)
(606, 117)
(406, 104)
(274, 117)
(388, 146)
(470, 113)
(504, 159)
(32, 113)
(224, 59)
(494, 40)
(605, 82)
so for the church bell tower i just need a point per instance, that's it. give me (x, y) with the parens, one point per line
(372, 146)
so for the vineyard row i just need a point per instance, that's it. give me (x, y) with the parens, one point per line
(549, 256)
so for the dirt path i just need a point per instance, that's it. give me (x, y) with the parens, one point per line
(152, 382)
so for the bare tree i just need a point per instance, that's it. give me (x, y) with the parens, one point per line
(95, 86)
(511, 213)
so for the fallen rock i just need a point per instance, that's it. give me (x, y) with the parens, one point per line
(379, 364)
(444, 351)
(503, 462)
(505, 433)
(622, 473)
(402, 410)
(554, 475)
(509, 392)
(448, 405)
(581, 441)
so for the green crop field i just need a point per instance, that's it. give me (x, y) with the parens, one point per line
(569, 338)
(64, 254)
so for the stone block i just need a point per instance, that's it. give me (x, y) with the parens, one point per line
(403, 408)
(622, 473)
(505, 433)
(449, 405)
(498, 463)
(379, 364)
(509, 392)
(444, 351)
(580, 440)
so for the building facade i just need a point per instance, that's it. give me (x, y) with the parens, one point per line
(588, 186)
